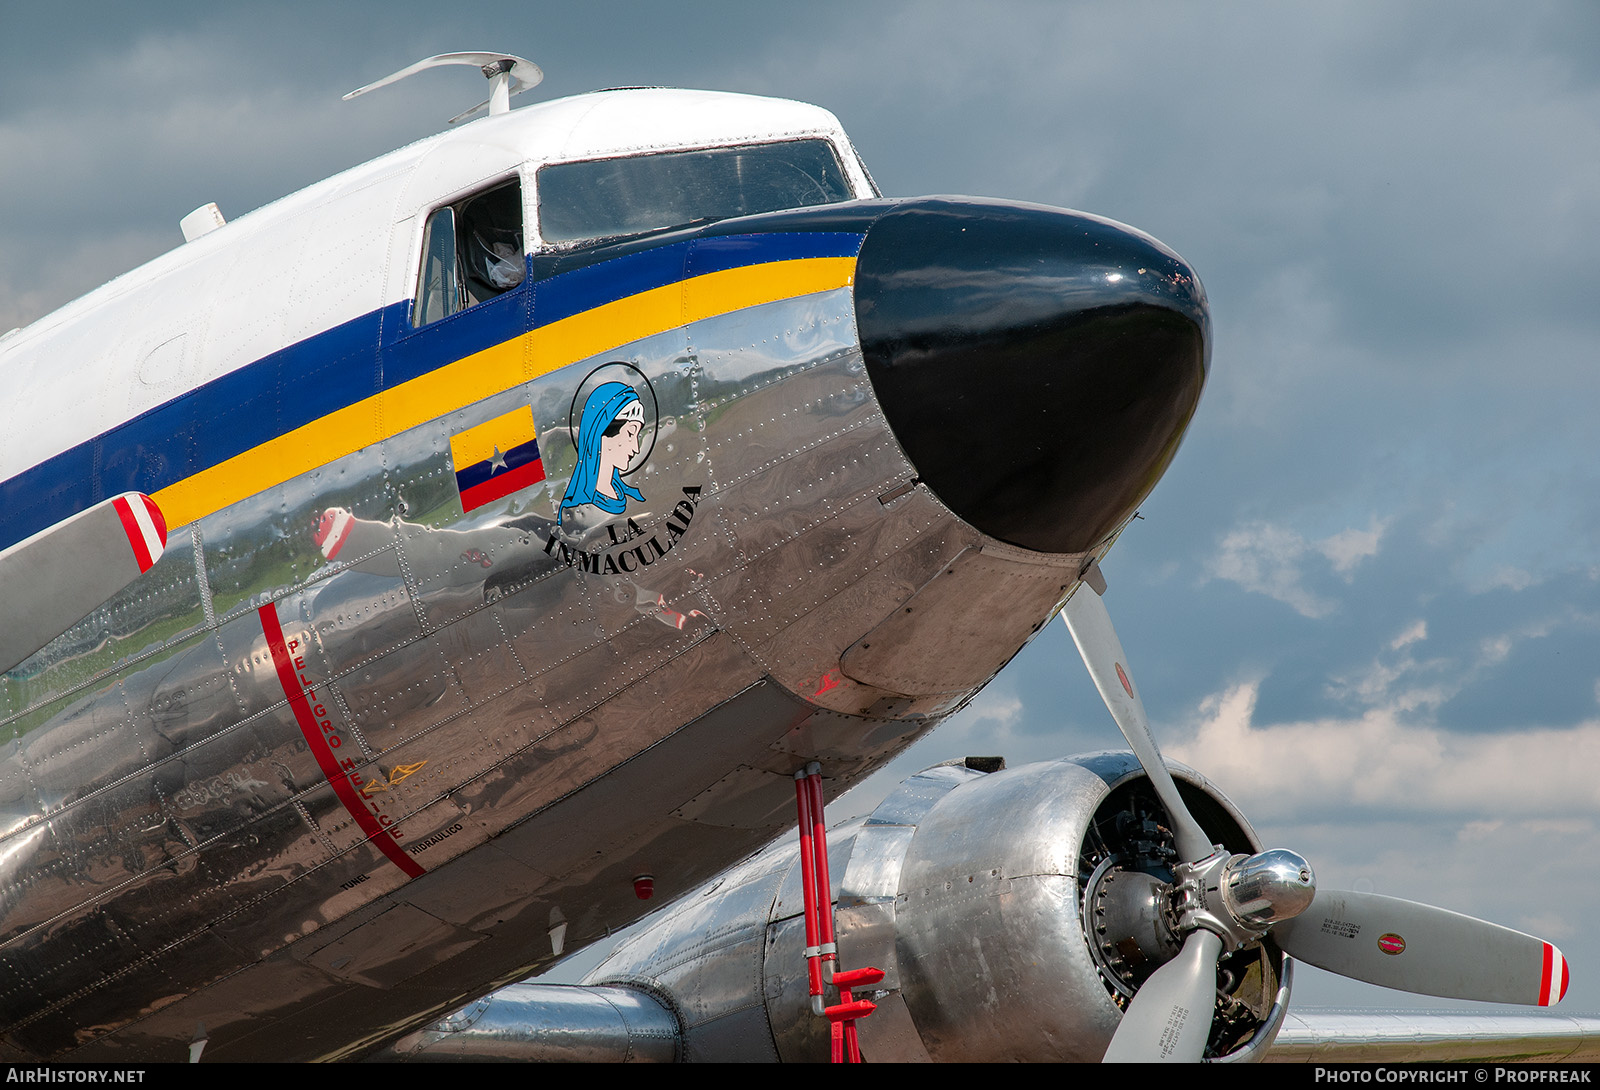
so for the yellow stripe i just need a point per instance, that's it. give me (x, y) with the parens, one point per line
(492, 371)
(478, 444)
(734, 289)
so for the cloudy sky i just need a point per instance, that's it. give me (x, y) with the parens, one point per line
(1364, 598)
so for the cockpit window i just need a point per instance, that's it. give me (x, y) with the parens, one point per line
(471, 251)
(604, 198)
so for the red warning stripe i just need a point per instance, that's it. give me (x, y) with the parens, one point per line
(337, 776)
(143, 523)
(1553, 982)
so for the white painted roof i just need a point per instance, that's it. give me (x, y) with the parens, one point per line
(330, 253)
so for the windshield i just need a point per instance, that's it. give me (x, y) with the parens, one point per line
(603, 198)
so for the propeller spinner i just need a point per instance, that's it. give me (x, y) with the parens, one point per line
(1222, 902)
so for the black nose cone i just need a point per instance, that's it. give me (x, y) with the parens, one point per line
(1038, 366)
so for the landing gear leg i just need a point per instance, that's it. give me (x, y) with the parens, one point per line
(821, 950)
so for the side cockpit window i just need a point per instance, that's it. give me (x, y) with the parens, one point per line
(471, 252)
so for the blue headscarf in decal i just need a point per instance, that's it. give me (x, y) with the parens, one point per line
(609, 402)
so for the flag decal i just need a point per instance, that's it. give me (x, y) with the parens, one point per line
(496, 458)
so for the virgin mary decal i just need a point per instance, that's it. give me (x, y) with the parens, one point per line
(609, 439)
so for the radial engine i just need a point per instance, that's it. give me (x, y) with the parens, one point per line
(1015, 913)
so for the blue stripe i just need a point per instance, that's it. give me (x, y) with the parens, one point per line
(569, 293)
(574, 292)
(722, 252)
(409, 353)
(209, 424)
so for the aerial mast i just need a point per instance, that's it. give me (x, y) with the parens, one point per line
(507, 75)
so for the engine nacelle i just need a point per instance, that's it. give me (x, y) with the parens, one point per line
(1014, 912)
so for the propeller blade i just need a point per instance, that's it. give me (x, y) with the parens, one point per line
(1170, 1017)
(1086, 618)
(1417, 948)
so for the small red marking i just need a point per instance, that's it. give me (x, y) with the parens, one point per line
(830, 682)
(157, 519)
(332, 529)
(1391, 943)
(1127, 686)
(673, 617)
(322, 748)
(1555, 977)
(130, 526)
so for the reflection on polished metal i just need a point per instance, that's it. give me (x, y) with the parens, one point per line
(965, 887)
(548, 1023)
(356, 750)
(1265, 888)
(162, 787)
(474, 614)
(1430, 1037)
(1237, 897)
(49, 581)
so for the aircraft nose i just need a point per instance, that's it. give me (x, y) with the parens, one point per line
(1038, 366)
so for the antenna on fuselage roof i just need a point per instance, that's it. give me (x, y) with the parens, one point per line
(507, 75)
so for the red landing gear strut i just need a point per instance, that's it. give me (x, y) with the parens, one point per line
(821, 951)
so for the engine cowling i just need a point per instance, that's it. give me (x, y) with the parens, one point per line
(1014, 912)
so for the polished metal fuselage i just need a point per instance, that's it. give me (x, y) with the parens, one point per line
(522, 719)
(1436, 1037)
(382, 731)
